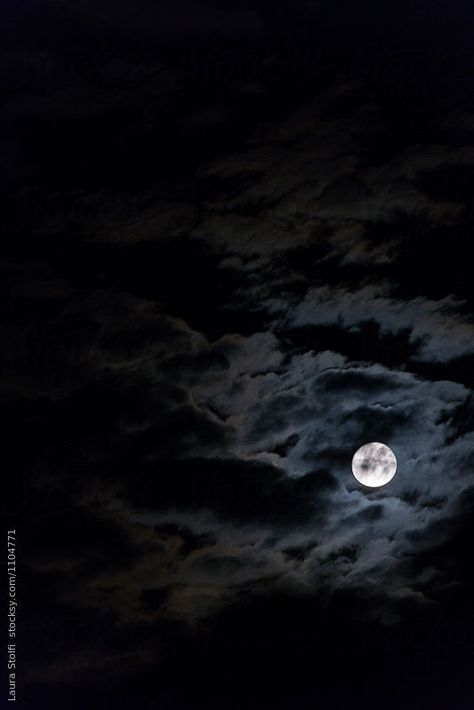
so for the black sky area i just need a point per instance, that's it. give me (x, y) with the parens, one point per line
(236, 246)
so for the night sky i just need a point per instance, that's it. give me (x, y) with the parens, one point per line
(236, 246)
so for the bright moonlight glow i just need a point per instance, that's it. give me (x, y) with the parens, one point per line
(374, 464)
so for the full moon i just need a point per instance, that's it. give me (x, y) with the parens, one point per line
(374, 464)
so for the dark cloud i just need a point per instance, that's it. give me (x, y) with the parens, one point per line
(247, 492)
(347, 380)
(235, 250)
